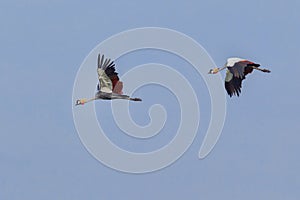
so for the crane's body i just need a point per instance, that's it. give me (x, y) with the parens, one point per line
(109, 86)
(237, 69)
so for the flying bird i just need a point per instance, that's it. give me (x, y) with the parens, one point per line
(237, 69)
(109, 86)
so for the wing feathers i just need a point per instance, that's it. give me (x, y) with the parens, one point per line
(235, 76)
(118, 87)
(108, 77)
(233, 87)
(100, 60)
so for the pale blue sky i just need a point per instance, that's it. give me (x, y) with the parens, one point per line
(43, 44)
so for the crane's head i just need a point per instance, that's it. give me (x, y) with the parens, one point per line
(80, 102)
(214, 71)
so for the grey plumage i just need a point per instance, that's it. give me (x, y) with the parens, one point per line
(237, 69)
(109, 86)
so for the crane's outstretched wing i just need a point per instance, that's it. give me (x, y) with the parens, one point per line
(236, 74)
(108, 77)
(233, 84)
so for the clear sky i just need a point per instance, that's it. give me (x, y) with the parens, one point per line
(43, 44)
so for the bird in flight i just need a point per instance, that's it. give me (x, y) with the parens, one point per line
(109, 86)
(237, 69)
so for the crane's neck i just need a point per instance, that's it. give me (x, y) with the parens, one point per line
(84, 101)
(91, 99)
(220, 69)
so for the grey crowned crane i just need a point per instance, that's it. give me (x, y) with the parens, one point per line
(109, 86)
(237, 69)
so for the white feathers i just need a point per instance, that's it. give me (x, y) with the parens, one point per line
(105, 82)
(231, 61)
(229, 76)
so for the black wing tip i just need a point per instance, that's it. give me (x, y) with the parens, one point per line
(233, 93)
(233, 87)
(100, 60)
(104, 63)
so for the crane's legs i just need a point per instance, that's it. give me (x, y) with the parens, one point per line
(135, 99)
(121, 96)
(262, 70)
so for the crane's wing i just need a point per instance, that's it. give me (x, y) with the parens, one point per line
(233, 84)
(236, 74)
(108, 77)
(242, 68)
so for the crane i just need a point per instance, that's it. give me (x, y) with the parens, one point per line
(237, 69)
(109, 86)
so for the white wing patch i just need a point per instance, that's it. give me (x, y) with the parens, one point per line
(231, 61)
(105, 82)
(229, 76)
